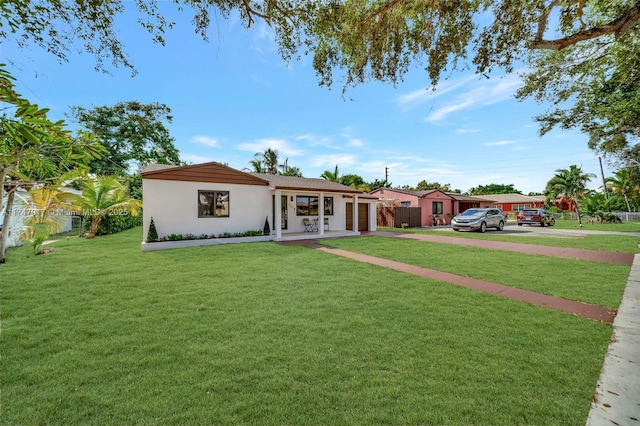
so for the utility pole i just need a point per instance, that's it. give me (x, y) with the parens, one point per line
(386, 175)
(604, 183)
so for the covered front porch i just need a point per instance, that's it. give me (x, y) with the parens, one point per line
(315, 235)
(308, 214)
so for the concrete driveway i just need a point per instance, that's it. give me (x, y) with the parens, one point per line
(511, 228)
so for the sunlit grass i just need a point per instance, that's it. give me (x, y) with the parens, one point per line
(590, 282)
(98, 332)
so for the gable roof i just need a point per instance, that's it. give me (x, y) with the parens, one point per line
(415, 193)
(219, 173)
(205, 172)
(302, 183)
(471, 198)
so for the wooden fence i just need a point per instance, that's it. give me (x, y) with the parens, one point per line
(394, 217)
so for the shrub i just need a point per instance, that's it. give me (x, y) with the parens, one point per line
(152, 235)
(114, 224)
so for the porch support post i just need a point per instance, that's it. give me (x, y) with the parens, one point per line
(277, 220)
(321, 213)
(355, 213)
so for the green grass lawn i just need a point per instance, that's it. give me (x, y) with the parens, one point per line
(617, 243)
(98, 332)
(590, 282)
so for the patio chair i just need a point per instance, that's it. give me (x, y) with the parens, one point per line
(309, 226)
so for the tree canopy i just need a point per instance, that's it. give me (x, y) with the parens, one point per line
(34, 149)
(582, 55)
(131, 132)
(494, 188)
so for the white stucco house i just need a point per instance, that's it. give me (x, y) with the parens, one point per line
(213, 199)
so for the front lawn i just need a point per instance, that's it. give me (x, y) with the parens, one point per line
(590, 282)
(100, 333)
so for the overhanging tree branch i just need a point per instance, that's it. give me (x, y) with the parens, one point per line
(617, 27)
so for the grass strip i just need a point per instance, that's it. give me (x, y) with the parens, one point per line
(589, 282)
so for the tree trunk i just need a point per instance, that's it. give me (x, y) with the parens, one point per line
(626, 199)
(4, 235)
(93, 229)
(578, 211)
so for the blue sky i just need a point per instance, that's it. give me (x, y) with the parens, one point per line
(235, 96)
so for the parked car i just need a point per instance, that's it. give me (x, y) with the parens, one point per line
(479, 219)
(532, 216)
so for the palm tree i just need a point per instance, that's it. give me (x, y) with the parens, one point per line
(571, 184)
(256, 166)
(620, 184)
(43, 203)
(331, 176)
(103, 196)
(270, 161)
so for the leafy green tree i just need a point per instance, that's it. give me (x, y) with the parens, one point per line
(132, 132)
(291, 171)
(423, 185)
(494, 188)
(103, 196)
(380, 183)
(579, 51)
(331, 176)
(593, 87)
(621, 184)
(45, 204)
(571, 184)
(34, 149)
(265, 162)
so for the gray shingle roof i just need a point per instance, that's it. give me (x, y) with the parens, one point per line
(301, 183)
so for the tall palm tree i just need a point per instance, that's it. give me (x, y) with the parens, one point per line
(103, 196)
(331, 176)
(270, 161)
(256, 165)
(620, 184)
(571, 184)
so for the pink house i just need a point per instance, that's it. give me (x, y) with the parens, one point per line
(436, 206)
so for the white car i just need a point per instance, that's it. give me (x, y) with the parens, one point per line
(479, 219)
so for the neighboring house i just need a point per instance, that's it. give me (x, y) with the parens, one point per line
(214, 199)
(435, 205)
(511, 203)
(18, 216)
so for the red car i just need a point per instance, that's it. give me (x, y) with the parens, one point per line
(539, 216)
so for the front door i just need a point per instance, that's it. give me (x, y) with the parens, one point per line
(284, 211)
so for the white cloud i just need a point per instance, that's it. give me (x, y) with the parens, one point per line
(315, 140)
(418, 97)
(463, 131)
(205, 140)
(485, 92)
(355, 142)
(330, 160)
(499, 143)
(193, 158)
(280, 145)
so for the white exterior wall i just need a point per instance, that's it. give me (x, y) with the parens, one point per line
(174, 208)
